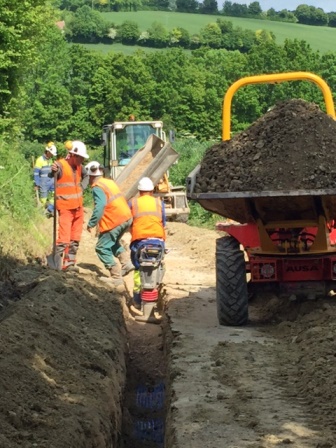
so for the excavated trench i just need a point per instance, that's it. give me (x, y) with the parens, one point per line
(76, 370)
(146, 398)
(136, 365)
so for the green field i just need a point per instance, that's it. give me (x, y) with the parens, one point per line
(318, 37)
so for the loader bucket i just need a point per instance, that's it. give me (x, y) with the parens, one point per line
(153, 160)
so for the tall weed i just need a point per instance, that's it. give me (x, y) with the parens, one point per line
(21, 225)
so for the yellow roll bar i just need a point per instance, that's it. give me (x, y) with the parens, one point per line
(272, 78)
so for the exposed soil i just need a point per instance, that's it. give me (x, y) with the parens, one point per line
(291, 147)
(64, 351)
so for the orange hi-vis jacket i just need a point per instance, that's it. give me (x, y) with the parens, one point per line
(69, 192)
(147, 218)
(116, 211)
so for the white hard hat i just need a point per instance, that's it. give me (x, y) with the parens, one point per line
(94, 169)
(145, 184)
(52, 149)
(79, 149)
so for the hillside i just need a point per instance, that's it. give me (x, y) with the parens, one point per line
(319, 37)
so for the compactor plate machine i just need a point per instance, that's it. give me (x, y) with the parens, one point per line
(284, 241)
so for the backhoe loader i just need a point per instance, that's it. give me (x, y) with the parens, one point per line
(136, 149)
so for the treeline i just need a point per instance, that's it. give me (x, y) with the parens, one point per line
(53, 91)
(87, 26)
(303, 14)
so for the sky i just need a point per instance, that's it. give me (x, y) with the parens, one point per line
(291, 5)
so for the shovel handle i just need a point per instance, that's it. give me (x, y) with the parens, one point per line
(55, 215)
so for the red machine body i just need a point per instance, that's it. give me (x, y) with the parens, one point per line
(295, 264)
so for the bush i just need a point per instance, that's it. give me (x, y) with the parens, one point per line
(21, 222)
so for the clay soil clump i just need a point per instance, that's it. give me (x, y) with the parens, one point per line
(291, 147)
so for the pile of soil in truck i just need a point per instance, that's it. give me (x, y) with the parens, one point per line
(293, 146)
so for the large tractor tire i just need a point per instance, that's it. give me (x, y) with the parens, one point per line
(231, 284)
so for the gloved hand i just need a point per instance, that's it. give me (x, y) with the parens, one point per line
(54, 168)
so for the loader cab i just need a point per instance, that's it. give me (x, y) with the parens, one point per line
(123, 139)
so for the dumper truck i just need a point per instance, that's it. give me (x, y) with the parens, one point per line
(136, 149)
(281, 240)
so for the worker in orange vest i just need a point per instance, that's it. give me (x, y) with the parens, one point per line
(113, 217)
(69, 203)
(149, 221)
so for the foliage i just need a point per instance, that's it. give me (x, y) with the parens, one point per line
(45, 106)
(211, 35)
(129, 32)
(319, 38)
(22, 26)
(157, 35)
(16, 200)
(22, 231)
(186, 5)
(309, 15)
(199, 217)
(208, 7)
(191, 153)
(88, 25)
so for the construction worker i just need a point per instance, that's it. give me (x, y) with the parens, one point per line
(113, 216)
(69, 203)
(149, 221)
(42, 182)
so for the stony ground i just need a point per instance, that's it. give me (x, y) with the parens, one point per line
(64, 351)
(291, 147)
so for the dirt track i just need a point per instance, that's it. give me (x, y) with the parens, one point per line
(62, 362)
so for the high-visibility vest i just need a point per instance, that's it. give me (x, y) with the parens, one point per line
(42, 168)
(69, 192)
(116, 211)
(147, 218)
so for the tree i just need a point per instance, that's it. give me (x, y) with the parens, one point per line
(271, 13)
(158, 35)
(287, 16)
(264, 36)
(234, 9)
(47, 102)
(225, 26)
(179, 37)
(309, 15)
(186, 5)
(129, 32)
(332, 19)
(211, 35)
(22, 26)
(209, 7)
(87, 26)
(254, 9)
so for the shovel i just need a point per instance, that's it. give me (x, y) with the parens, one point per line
(38, 202)
(54, 260)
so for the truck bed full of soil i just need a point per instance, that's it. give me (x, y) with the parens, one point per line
(291, 147)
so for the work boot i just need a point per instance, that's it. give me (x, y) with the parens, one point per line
(115, 278)
(71, 268)
(126, 264)
(137, 300)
